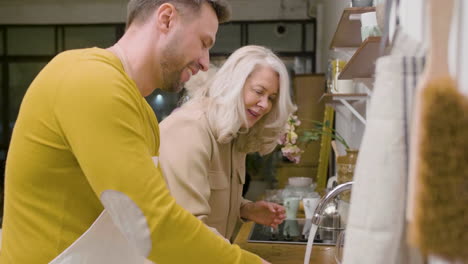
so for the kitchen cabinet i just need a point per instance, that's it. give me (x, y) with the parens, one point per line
(307, 88)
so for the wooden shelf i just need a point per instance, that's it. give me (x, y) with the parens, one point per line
(329, 97)
(348, 32)
(362, 64)
(341, 98)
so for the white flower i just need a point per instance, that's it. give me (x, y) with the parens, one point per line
(288, 140)
(292, 152)
(292, 137)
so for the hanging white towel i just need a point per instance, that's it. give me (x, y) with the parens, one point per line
(376, 225)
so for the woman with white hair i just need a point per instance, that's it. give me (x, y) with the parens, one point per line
(242, 109)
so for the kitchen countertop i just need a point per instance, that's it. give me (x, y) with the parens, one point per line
(284, 253)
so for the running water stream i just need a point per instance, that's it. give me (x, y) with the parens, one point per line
(310, 243)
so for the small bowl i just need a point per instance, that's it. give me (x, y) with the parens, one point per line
(300, 181)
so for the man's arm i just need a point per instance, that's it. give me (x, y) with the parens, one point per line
(103, 125)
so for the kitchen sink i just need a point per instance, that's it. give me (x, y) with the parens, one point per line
(292, 231)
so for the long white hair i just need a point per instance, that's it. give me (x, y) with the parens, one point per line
(223, 96)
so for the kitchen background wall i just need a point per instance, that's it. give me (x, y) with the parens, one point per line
(30, 37)
(346, 124)
(414, 23)
(114, 11)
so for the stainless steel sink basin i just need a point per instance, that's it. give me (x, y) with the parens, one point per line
(292, 231)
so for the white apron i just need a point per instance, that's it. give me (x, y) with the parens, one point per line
(101, 243)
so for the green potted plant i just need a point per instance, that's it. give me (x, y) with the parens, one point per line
(319, 129)
(293, 136)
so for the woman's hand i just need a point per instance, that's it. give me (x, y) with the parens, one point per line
(264, 213)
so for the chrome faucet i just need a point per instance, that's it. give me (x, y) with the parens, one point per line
(327, 198)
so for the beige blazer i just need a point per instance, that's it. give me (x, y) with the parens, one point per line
(204, 176)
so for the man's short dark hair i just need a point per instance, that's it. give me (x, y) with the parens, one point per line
(141, 10)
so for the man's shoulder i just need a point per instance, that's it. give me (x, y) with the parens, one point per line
(86, 52)
(96, 57)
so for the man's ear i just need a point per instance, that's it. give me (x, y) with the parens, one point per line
(166, 16)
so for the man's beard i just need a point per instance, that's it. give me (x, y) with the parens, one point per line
(172, 68)
(171, 78)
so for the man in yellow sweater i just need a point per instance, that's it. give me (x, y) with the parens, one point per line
(86, 140)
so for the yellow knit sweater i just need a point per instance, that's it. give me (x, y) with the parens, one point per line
(84, 128)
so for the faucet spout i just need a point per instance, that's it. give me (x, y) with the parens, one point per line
(327, 198)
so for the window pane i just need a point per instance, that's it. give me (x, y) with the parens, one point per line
(21, 76)
(31, 41)
(277, 36)
(163, 103)
(89, 36)
(60, 40)
(227, 39)
(310, 35)
(2, 130)
(1, 41)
